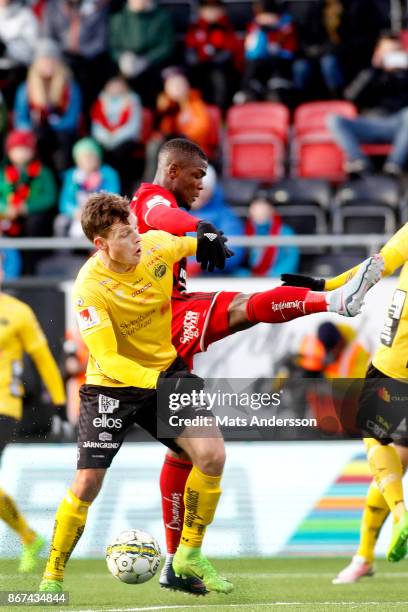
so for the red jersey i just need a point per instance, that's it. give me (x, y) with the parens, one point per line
(151, 204)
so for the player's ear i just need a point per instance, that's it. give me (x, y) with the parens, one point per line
(173, 171)
(100, 243)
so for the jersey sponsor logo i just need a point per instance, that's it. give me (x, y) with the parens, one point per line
(156, 200)
(89, 444)
(87, 318)
(141, 290)
(107, 405)
(129, 328)
(107, 422)
(394, 313)
(105, 436)
(190, 326)
(159, 270)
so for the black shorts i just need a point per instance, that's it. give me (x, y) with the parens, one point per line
(8, 427)
(382, 408)
(107, 414)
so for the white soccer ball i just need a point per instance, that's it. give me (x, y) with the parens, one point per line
(134, 557)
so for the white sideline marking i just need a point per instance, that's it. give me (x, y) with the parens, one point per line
(247, 605)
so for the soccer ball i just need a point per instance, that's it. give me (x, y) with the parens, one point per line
(134, 557)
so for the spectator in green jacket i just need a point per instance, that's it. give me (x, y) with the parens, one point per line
(28, 192)
(141, 41)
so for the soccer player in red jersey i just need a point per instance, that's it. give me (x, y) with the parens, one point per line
(199, 319)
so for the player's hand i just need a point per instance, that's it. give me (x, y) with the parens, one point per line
(211, 249)
(298, 280)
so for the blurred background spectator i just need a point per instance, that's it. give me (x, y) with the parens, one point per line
(18, 34)
(28, 193)
(116, 123)
(141, 41)
(211, 206)
(88, 175)
(263, 220)
(80, 27)
(180, 111)
(382, 91)
(319, 46)
(49, 102)
(213, 54)
(270, 47)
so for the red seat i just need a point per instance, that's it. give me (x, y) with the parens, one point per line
(316, 155)
(256, 139)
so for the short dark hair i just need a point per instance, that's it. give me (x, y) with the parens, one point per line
(101, 211)
(180, 147)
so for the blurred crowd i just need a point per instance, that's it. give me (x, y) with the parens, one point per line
(90, 89)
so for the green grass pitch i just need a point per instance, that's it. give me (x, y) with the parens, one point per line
(260, 584)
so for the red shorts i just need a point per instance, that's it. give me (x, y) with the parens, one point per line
(198, 320)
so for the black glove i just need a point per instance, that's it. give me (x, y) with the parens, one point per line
(298, 280)
(211, 249)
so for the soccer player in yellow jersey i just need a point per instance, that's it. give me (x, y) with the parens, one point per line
(382, 407)
(122, 298)
(20, 333)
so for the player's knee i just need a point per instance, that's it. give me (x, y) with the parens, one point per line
(211, 458)
(88, 483)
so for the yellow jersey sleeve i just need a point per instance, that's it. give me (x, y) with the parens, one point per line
(50, 374)
(176, 247)
(30, 332)
(103, 347)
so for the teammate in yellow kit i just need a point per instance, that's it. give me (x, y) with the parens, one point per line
(122, 298)
(383, 406)
(20, 333)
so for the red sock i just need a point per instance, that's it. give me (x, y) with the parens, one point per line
(173, 479)
(284, 304)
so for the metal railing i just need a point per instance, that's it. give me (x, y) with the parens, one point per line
(372, 242)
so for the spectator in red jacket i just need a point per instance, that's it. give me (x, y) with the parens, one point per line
(213, 52)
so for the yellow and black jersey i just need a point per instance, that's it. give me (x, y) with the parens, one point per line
(391, 357)
(21, 333)
(125, 319)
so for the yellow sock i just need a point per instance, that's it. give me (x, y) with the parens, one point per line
(201, 496)
(11, 515)
(69, 524)
(386, 468)
(375, 512)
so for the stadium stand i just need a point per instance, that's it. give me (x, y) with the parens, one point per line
(255, 141)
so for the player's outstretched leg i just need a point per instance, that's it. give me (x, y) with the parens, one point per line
(283, 304)
(202, 493)
(32, 542)
(173, 478)
(375, 513)
(348, 299)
